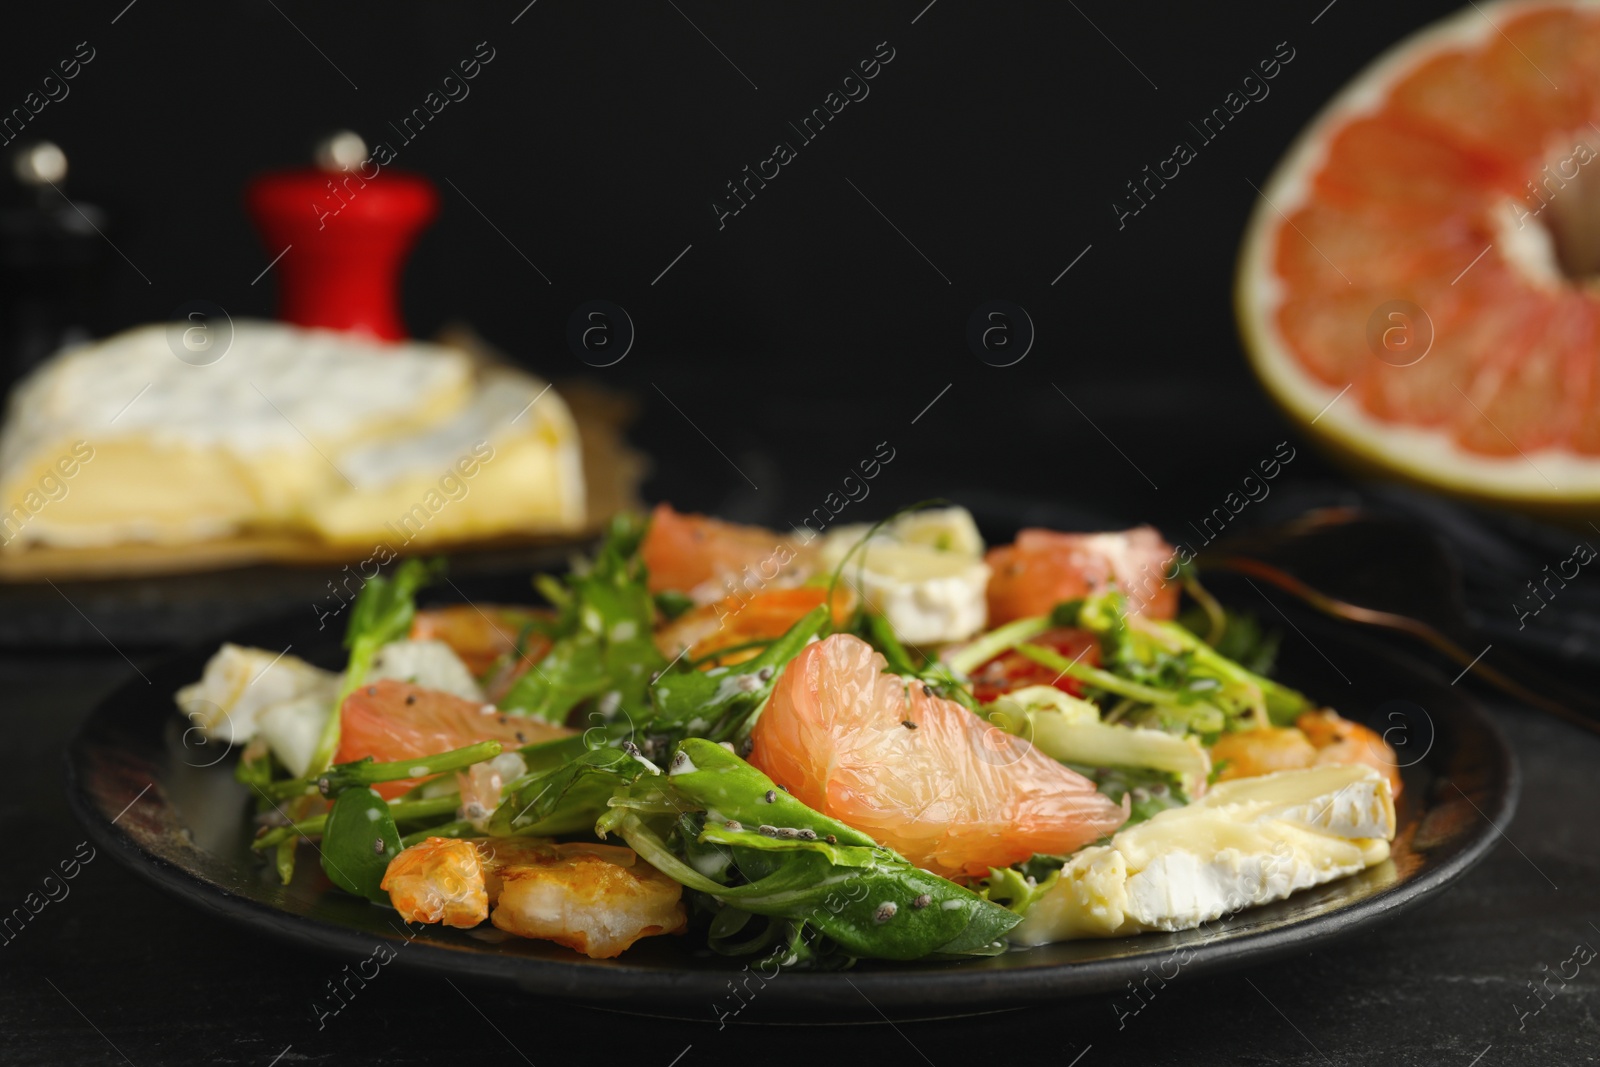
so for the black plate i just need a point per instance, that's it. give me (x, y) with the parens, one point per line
(174, 814)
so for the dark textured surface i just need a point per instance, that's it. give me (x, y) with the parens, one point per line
(164, 985)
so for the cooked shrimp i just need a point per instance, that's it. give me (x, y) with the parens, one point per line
(1338, 740)
(1318, 738)
(595, 899)
(438, 881)
(1248, 753)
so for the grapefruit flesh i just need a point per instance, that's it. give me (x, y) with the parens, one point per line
(1460, 176)
(1044, 568)
(735, 621)
(710, 559)
(482, 633)
(391, 721)
(920, 774)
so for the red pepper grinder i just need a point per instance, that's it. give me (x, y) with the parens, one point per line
(341, 232)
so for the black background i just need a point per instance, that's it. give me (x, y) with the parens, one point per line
(808, 329)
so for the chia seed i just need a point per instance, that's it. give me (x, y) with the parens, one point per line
(908, 724)
(772, 797)
(922, 901)
(885, 912)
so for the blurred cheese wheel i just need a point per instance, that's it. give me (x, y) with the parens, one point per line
(288, 430)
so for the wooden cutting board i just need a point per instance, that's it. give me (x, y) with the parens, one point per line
(612, 473)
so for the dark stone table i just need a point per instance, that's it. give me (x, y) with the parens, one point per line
(115, 971)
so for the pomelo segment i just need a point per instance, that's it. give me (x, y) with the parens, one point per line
(392, 721)
(920, 774)
(1458, 174)
(710, 559)
(1043, 568)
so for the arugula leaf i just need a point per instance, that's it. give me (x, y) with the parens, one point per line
(568, 798)
(1015, 889)
(672, 603)
(602, 640)
(787, 861)
(1184, 681)
(1244, 639)
(382, 613)
(720, 703)
(1150, 791)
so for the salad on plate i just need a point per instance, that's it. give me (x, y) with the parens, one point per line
(884, 742)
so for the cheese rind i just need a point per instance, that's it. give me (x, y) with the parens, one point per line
(1247, 842)
(291, 430)
(924, 573)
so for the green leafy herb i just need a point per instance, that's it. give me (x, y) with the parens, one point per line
(1182, 681)
(602, 639)
(787, 861)
(358, 842)
(1149, 791)
(568, 798)
(382, 613)
(1244, 640)
(720, 703)
(672, 603)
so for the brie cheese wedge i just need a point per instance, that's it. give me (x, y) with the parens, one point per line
(289, 431)
(1247, 842)
(924, 573)
(239, 684)
(430, 664)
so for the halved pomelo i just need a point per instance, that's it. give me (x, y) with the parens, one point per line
(919, 773)
(1417, 285)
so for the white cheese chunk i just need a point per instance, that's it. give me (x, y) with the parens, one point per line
(239, 683)
(430, 664)
(1247, 842)
(293, 728)
(929, 595)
